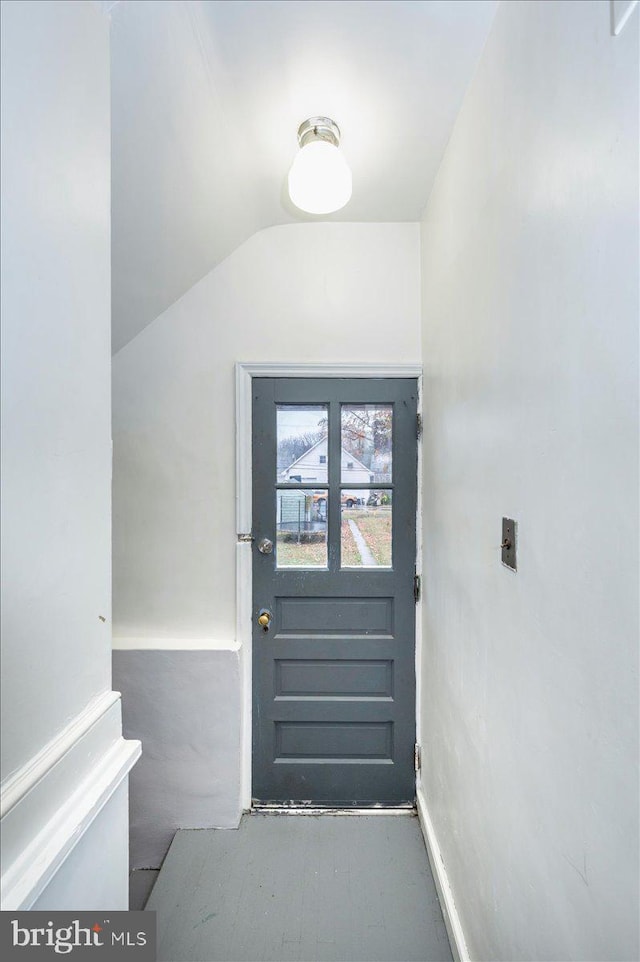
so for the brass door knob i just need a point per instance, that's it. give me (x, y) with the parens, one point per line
(264, 619)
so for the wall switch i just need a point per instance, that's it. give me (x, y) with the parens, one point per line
(508, 543)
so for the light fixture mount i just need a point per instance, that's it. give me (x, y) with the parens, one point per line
(319, 178)
(318, 128)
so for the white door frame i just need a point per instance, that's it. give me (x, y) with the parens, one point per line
(245, 371)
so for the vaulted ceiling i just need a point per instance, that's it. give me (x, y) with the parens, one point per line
(207, 96)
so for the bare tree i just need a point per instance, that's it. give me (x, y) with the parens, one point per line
(367, 434)
(292, 448)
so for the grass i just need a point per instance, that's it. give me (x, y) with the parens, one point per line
(375, 528)
(350, 553)
(291, 554)
(374, 524)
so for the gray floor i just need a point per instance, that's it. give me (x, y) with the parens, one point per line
(300, 889)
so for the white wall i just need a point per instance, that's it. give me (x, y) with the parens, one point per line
(307, 292)
(530, 322)
(303, 293)
(56, 452)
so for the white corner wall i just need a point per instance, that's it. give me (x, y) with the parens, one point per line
(530, 342)
(64, 760)
(298, 293)
(304, 292)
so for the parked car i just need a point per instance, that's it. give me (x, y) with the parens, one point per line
(347, 499)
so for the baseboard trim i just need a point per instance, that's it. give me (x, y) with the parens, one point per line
(38, 862)
(259, 809)
(457, 940)
(19, 784)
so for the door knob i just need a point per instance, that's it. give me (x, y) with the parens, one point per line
(264, 619)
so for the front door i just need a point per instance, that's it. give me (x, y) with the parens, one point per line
(334, 517)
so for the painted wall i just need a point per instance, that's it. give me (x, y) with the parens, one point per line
(306, 292)
(55, 368)
(530, 345)
(56, 446)
(186, 708)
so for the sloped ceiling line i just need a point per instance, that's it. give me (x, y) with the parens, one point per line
(206, 100)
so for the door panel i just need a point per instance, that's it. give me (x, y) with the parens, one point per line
(334, 491)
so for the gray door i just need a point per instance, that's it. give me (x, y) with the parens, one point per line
(334, 495)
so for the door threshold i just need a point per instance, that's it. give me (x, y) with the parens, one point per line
(258, 809)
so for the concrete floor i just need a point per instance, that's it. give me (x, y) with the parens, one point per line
(341, 888)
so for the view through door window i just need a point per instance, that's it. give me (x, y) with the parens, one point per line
(301, 512)
(366, 459)
(302, 500)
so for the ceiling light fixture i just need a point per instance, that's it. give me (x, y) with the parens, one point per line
(320, 178)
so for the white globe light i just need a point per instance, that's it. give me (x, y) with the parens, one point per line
(319, 179)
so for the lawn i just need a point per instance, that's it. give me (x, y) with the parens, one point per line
(349, 548)
(375, 527)
(374, 524)
(291, 554)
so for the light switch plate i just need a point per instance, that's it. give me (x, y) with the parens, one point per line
(509, 543)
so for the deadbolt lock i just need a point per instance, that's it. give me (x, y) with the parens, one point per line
(264, 618)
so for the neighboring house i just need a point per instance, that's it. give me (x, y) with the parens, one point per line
(312, 466)
(306, 510)
(295, 510)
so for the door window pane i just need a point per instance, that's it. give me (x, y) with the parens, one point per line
(366, 530)
(301, 525)
(302, 443)
(367, 442)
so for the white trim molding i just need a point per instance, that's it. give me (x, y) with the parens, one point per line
(245, 372)
(22, 781)
(455, 932)
(32, 871)
(141, 643)
(50, 803)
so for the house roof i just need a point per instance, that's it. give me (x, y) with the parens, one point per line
(323, 441)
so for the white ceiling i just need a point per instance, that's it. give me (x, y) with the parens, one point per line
(207, 96)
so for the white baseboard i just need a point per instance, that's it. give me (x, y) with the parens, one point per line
(441, 879)
(53, 800)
